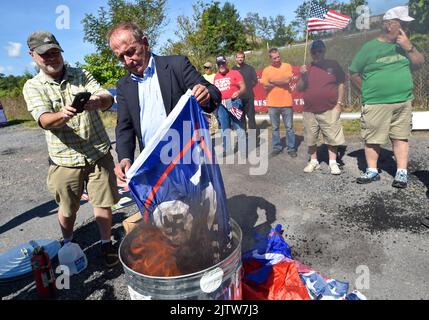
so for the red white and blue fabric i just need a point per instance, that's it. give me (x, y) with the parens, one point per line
(271, 273)
(192, 176)
(234, 106)
(322, 18)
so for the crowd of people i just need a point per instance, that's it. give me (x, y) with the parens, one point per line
(79, 147)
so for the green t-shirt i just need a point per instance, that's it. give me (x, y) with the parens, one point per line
(386, 73)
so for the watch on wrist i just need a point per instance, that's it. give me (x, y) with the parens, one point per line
(411, 48)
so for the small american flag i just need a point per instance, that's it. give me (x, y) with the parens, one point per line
(325, 19)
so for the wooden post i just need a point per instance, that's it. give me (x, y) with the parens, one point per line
(306, 44)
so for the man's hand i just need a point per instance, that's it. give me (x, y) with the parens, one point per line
(68, 112)
(235, 95)
(94, 103)
(403, 40)
(202, 94)
(122, 168)
(303, 69)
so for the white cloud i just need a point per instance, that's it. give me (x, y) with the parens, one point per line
(5, 70)
(14, 49)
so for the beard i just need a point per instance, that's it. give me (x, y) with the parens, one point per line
(51, 69)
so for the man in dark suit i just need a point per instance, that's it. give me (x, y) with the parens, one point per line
(149, 92)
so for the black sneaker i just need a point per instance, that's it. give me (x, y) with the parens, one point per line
(110, 254)
(292, 154)
(367, 177)
(276, 152)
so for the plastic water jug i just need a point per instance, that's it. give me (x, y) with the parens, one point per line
(72, 256)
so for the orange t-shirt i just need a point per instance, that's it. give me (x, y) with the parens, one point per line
(278, 96)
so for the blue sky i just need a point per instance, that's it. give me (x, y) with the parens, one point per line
(18, 18)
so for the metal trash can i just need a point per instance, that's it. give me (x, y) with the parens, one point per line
(219, 282)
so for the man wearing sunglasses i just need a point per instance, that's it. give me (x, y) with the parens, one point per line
(208, 72)
(382, 69)
(323, 85)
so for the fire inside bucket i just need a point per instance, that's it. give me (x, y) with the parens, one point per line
(157, 269)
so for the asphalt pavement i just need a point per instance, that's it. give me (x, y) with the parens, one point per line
(367, 235)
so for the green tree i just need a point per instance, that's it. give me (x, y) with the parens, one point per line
(282, 34)
(148, 14)
(210, 31)
(419, 9)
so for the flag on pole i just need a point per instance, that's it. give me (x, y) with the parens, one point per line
(177, 183)
(322, 18)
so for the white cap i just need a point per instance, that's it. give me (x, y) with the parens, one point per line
(400, 13)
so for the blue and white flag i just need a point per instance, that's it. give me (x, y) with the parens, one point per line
(176, 181)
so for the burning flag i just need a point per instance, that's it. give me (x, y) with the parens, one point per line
(178, 186)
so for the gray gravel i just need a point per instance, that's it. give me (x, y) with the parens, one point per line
(332, 224)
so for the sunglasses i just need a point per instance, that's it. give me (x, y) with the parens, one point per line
(317, 51)
(207, 67)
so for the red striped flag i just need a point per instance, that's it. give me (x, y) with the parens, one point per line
(325, 19)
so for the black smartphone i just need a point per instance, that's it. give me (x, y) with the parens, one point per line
(80, 100)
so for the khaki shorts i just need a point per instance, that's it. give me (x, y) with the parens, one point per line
(379, 122)
(67, 184)
(327, 124)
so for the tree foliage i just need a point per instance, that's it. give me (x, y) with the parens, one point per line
(419, 10)
(11, 86)
(211, 30)
(148, 14)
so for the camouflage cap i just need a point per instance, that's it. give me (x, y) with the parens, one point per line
(42, 41)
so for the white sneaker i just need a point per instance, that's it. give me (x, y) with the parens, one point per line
(311, 166)
(335, 169)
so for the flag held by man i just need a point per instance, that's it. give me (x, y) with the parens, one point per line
(322, 18)
(176, 181)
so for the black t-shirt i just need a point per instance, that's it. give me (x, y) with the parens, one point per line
(250, 78)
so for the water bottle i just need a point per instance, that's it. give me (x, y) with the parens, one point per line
(72, 256)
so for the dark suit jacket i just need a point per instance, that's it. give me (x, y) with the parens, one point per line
(176, 75)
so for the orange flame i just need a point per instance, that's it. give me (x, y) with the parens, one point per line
(152, 254)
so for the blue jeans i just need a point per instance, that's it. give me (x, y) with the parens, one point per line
(227, 122)
(287, 115)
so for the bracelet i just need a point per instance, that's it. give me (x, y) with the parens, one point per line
(340, 103)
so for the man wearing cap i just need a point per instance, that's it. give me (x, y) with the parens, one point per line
(323, 85)
(275, 79)
(250, 80)
(149, 92)
(232, 87)
(78, 145)
(382, 69)
(208, 72)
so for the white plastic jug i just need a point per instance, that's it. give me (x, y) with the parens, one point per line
(73, 257)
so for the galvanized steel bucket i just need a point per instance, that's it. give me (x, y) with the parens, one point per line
(219, 282)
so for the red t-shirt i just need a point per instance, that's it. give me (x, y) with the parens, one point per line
(228, 83)
(321, 93)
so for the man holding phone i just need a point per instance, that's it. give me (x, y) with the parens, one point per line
(382, 69)
(78, 144)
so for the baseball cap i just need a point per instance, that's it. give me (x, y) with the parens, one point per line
(220, 60)
(208, 65)
(400, 13)
(42, 41)
(317, 44)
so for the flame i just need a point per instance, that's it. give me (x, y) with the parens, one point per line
(152, 254)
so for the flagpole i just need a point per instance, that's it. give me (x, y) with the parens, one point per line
(306, 45)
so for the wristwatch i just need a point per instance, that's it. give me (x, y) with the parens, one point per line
(411, 48)
(340, 103)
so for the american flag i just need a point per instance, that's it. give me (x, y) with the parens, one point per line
(325, 19)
